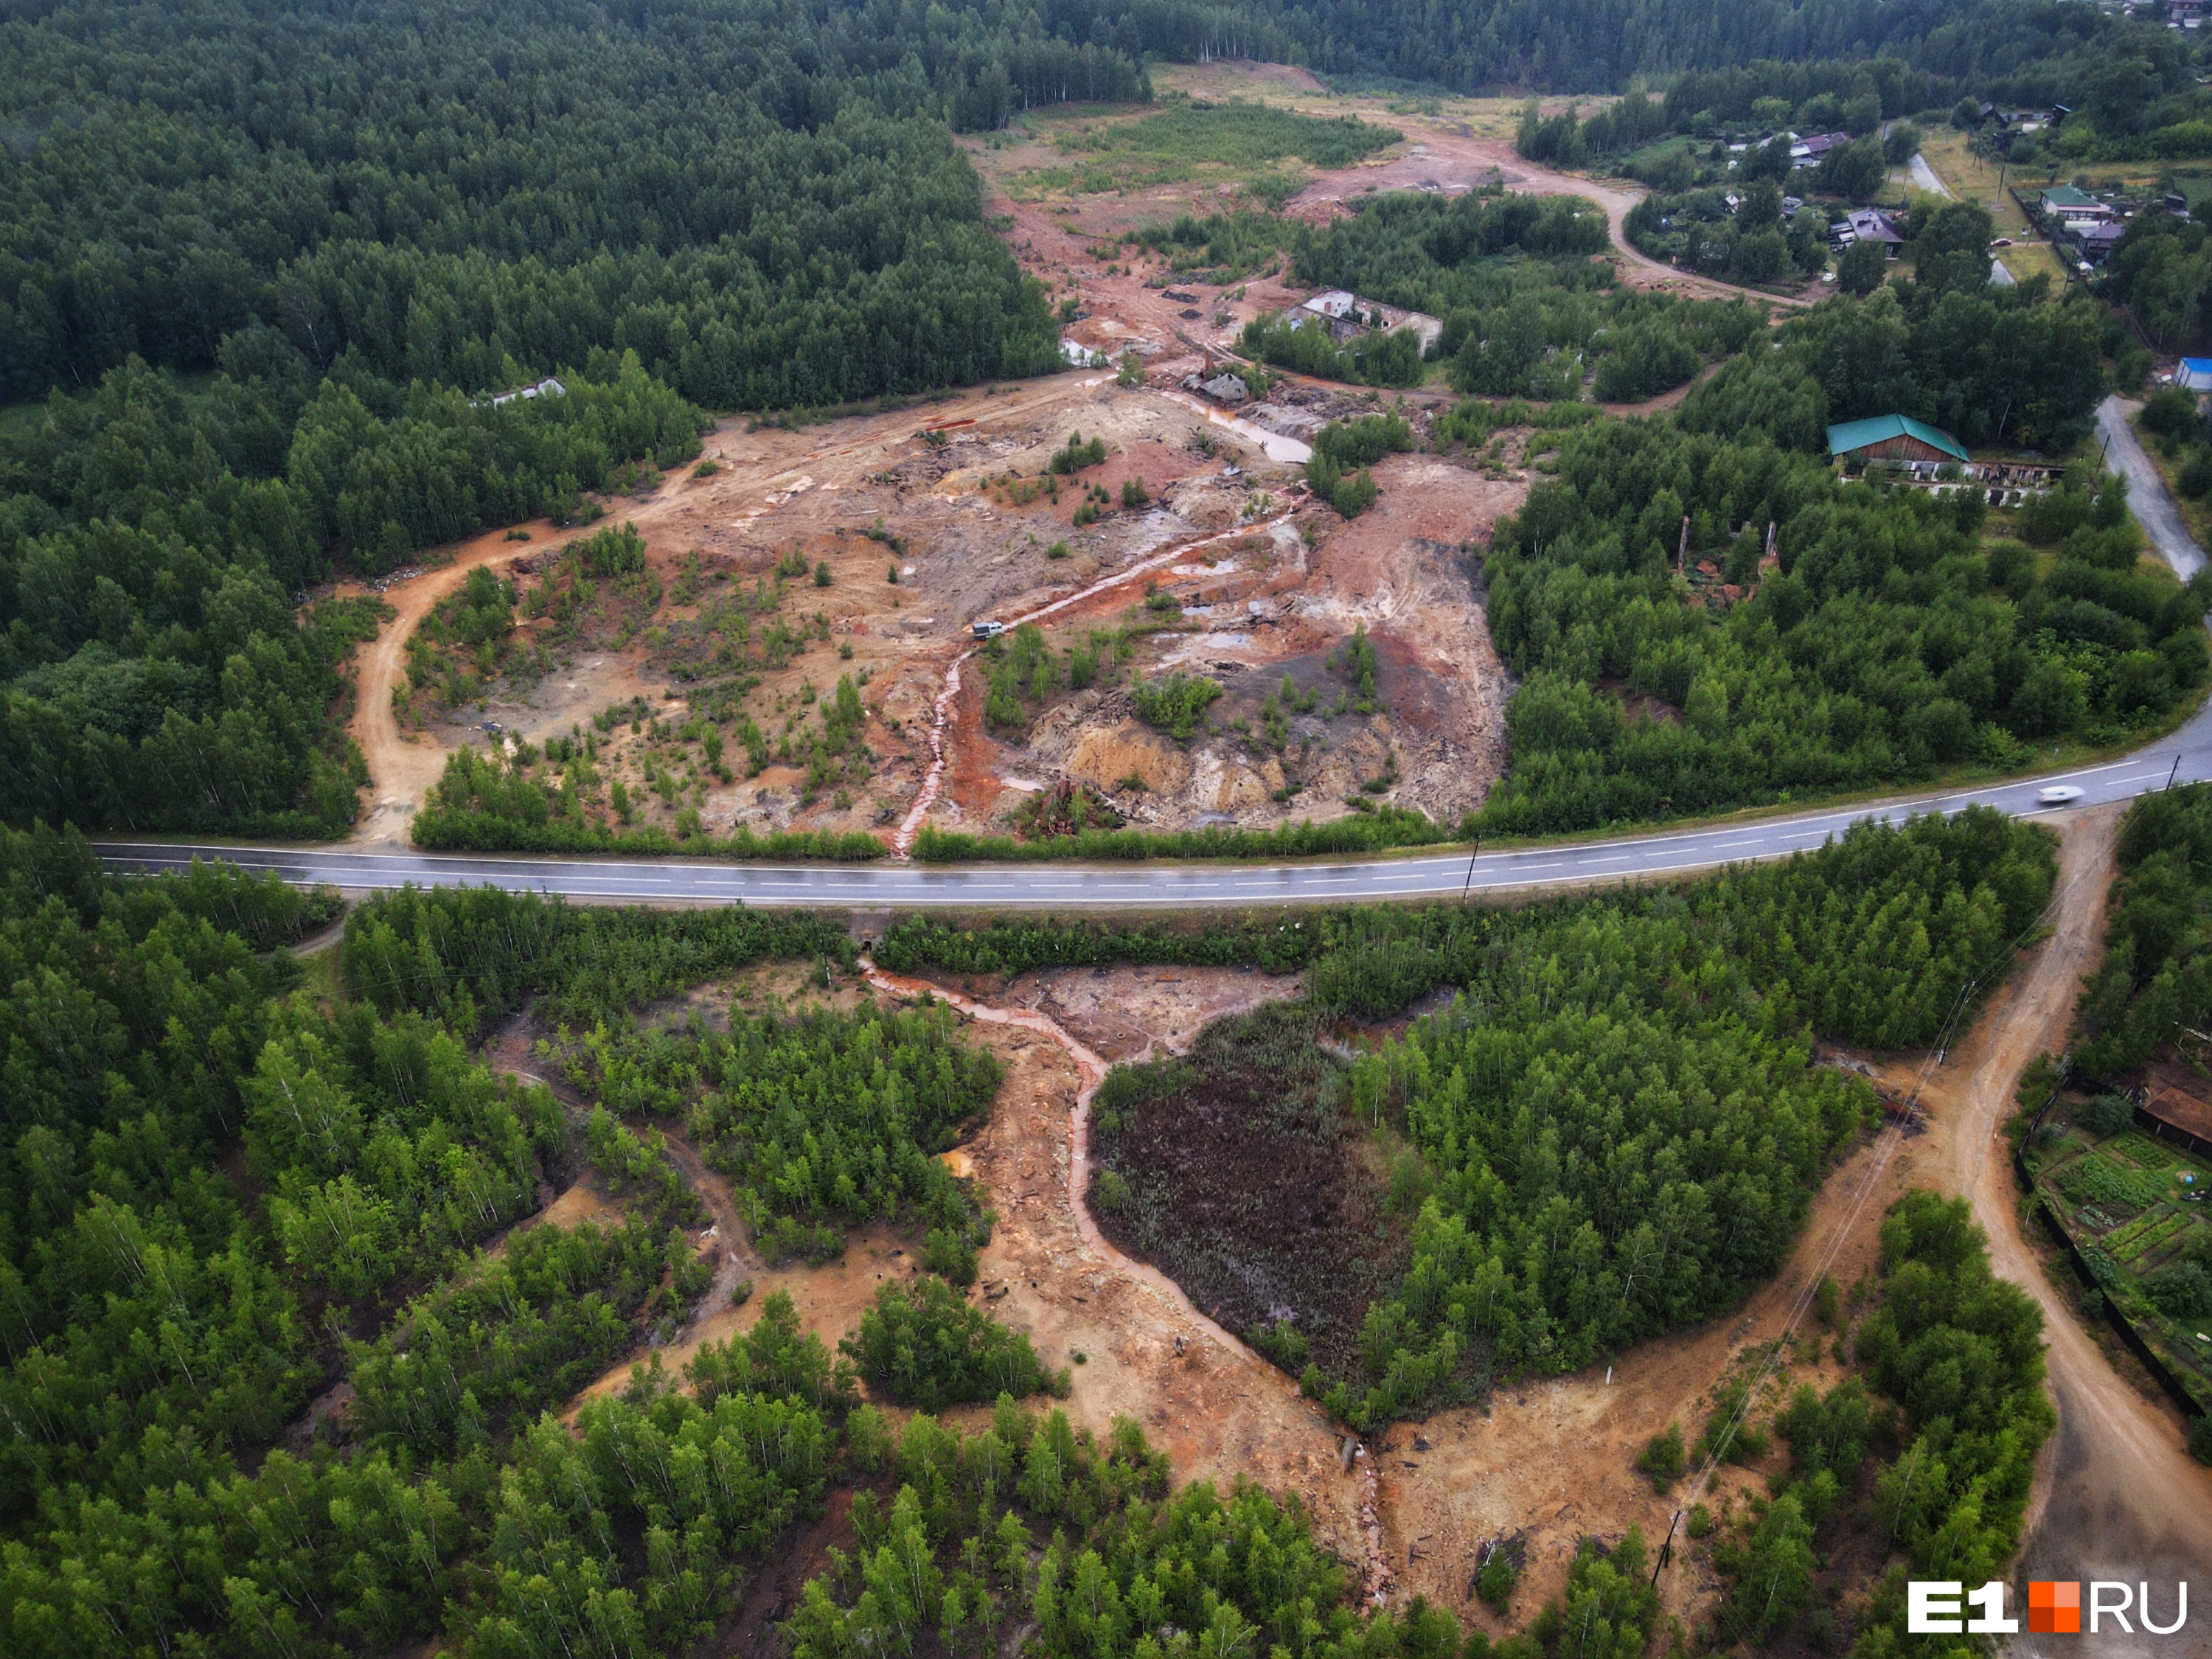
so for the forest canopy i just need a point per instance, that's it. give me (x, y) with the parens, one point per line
(1614, 1128)
(263, 261)
(1890, 636)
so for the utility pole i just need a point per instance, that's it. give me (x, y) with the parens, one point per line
(2174, 774)
(1682, 553)
(1468, 885)
(1666, 1549)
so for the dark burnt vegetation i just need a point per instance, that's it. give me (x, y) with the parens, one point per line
(1240, 1172)
(1614, 1128)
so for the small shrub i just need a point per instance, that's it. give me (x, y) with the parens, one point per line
(1133, 493)
(924, 1346)
(1282, 1342)
(1663, 1457)
(822, 577)
(1078, 454)
(1174, 703)
(2106, 1115)
(1495, 1583)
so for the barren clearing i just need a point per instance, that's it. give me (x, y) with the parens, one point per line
(1462, 145)
(964, 518)
(1274, 588)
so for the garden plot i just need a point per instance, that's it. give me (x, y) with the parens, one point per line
(2137, 1207)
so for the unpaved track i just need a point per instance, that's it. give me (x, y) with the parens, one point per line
(1455, 163)
(402, 766)
(2119, 1497)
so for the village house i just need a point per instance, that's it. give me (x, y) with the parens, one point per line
(2066, 205)
(1345, 316)
(1809, 152)
(1867, 225)
(547, 387)
(1893, 438)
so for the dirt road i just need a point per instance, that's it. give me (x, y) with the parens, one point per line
(403, 765)
(2147, 498)
(2119, 1497)
(1436, 160)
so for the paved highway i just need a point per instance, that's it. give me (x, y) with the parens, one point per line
(2185, 758)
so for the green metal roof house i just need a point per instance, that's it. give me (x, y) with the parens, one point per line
(1893, 438)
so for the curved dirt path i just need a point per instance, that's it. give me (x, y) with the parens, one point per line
(2119, 1496)
(403, 765)
(1438, 159)
(1283, 1394)
(1093, 1070)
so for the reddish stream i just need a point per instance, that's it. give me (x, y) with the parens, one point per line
(1093, 1070)
(932, 781)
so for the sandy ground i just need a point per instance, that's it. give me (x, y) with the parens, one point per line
(972, 551)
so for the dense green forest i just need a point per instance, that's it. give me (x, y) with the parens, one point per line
(1901, 632)
(1526, 311)
(760, 199)
(2155, 979)
(1931, 1450)
(2130, 82)
(234, 1181)
(2027, 50)
(1616, 1128)
(229, 1187)
(823, 1122)
(340, 228)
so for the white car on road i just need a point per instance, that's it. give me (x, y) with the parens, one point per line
(2057, 794)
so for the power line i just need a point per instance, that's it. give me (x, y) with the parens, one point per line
(1891, 1137)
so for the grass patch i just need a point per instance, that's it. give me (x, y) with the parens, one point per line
(1199, 139)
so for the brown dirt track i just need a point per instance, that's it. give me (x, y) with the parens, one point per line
(2118, 1495)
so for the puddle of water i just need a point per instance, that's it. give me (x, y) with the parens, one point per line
(1273, 445)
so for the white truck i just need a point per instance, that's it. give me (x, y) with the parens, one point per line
(988, 629)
